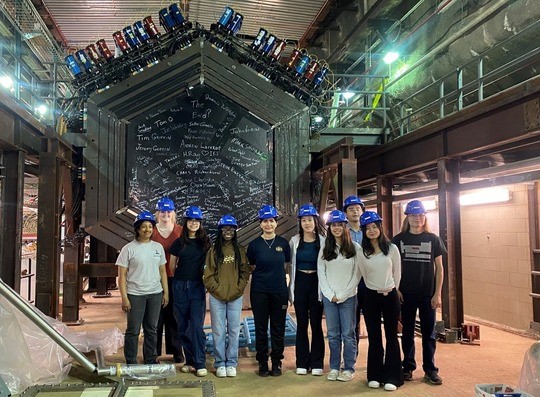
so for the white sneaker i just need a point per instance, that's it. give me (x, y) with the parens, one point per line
(301, 371)
(221, 372)
(333, 374)
(317, 372)
(201, 372)
(231, 372)
(345, 376)
(389, 387)
(373, 384)
(186, 369)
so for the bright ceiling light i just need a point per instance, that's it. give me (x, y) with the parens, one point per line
(485, 196)
(317, 119)
(6, 82)
(390, 57)
(42, 109)
(348, 94)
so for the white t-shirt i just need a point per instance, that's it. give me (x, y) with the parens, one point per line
(142, 261)
(381, 272)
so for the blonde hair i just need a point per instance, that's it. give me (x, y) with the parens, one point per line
(156, 214)
(405, 225)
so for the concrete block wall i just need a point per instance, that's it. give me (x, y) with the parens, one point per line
(497, 261)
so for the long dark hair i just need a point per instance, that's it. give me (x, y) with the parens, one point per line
(319, 231)
(347, 247)
(218, 250)
(201, 237)
(382, 240)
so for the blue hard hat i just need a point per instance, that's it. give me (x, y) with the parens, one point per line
(267, 211)
(165, 204)
(369, 217)
(307, 210)
(227, 220)
(336, 216)
(415, 207)
(350, 201)
(193, 212)
(144, 216)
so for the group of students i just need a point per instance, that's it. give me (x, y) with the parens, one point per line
(349, 269)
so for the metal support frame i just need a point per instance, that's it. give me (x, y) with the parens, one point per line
(72, 253)
(103, 254)
(533, 191)
(48, 251)
(12, 191)
(328, 177)
(450, 225)
(384, 203)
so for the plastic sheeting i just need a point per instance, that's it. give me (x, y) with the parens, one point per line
(529, 380)
(28, 356)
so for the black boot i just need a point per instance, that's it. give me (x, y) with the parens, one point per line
(276, 368)
(263, 369)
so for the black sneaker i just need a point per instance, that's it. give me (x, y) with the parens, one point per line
(433, 378)
(276, 369)
(263, 369)
(407, 375)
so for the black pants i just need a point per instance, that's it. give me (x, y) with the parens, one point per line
(359, 307)
(309, 312)
(383, 366)
(167, 320)
(273, 306)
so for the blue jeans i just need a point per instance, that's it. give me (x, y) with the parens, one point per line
(145, 310)
(412, 303)
(225, 318)
(340, 324)
(189, 309)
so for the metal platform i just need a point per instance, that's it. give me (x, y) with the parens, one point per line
(120, 389)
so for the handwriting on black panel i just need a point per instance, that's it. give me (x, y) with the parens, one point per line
(205, 150)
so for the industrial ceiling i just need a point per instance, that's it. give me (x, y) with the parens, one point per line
(82, 22)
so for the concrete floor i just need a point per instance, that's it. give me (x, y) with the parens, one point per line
(498, 359)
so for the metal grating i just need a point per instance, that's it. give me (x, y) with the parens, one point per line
(24, 17)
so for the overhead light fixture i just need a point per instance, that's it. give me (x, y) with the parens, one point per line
(41, 109)
(486, 196)
(390, 57)
(6, 82)
(317, 119)
(347, 94)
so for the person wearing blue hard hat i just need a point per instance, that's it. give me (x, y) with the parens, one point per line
(165, 233)
(188, 254)
(339, 274)
(420, 288)
(268, 254)
(304, 291)
(142, 281)
(354, 208)
(226, 275)
(380, 264)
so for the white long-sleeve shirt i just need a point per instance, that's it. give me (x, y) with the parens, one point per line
(381, 272)
(339, 277)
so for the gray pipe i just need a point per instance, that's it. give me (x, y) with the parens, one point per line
(28, 311)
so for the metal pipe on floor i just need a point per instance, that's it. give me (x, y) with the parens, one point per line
(21, 304)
